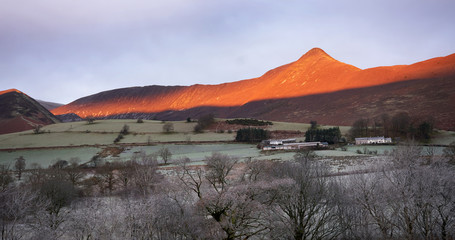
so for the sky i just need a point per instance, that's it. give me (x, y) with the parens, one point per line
(62, 50)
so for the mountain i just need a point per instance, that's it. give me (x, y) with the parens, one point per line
(314, 74)
(49, 105)
(19, 112)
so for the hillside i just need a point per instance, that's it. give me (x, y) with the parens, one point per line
(19, 112)
(315, 73)
(49, 105)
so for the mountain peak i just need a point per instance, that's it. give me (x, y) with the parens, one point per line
(10, 90)
(316, 53)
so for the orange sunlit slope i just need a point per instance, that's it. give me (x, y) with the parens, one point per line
(315, 72)
(9, 90)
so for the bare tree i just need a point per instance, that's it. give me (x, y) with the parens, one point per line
(106, 178)
(19, 165)
(359, 128)
(234, 205)
(165, 154)
(218, 168)
(449, 153)
(168, 127)
(5, 177)
(56, 194)
(421, 195)
(125, 175)
(191, 177)
(15, 205)
(369, 193)
(146, 177)
(256, 170)
(305, 208)
(74, 174)
(407, 199)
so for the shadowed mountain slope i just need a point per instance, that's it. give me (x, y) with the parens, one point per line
(19, 112)
(49, 105)
(315, 73)
(425, 99)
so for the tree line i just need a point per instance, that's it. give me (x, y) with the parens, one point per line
(249, 122)
(408, 196)
(400, 125)
(329, 135)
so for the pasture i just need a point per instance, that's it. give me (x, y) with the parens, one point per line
(83, 141)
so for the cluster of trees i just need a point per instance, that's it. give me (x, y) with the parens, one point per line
(252, 135)
(204, 122)
(408, 197)
(41, 206)
(329, 135)
(399, 125)
(249, 122)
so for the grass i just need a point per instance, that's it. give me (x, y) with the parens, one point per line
(46, 157)
(54, 139)
(114, 126)
(442, 137)
(103, 132)
(83, 140)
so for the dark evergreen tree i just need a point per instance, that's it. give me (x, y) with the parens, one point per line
(252, 135)
(330, 135)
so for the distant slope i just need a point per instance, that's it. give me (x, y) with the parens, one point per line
(19, 112)
(314, 73)
(295, 79)
(422, 99)
(49, 105)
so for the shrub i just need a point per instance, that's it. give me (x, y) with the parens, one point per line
(90, 119)
(118, 138)
(37, 129)
(198, 128)
(125, 130)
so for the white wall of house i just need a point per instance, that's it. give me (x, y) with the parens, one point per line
(372, 140)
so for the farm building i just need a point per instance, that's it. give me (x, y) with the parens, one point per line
(372, 140)
(288, 144)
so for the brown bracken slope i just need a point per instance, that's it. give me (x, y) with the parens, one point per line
(19, 112)
(315, 73)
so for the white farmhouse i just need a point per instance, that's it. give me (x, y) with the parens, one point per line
(372, 140)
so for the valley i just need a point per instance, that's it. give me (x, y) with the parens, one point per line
(81, 140)
(185, 162)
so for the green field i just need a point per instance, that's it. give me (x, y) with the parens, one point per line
(103, 132)
(83, 141)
